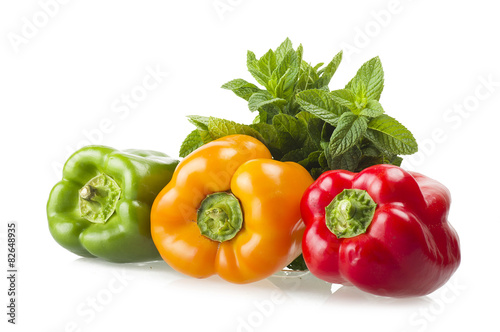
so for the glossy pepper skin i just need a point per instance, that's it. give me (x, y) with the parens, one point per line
(409, 248)
(113, 221)
(269, 193)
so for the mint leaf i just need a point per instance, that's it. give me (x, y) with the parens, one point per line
(311, 160)
(326, 133)
(314, 127)
(371, 74)
(300, 53)
(349, 130)
(285, 76)
(321, 104)
(373, 156)
(345, 97)
(372, 109)
(305, 116)
(369, 150)
(192, 142)
(295, 155)
(267, 131)
(259, 99)
(269, 134)
(348, 160)
(359, 89)
(221, 127)
(201, 122)
(267, 64)
(394, 160)
(323, 162)
(328, 72)
(389, 135)
(267, 112)
(292, 133)
(205, 136)
(241, 88)
(307, 77)
(318, 66)
(253, 68)
(283, 49)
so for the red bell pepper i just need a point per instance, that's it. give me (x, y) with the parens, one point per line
(383, 230)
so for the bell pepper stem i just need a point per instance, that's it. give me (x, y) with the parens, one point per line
(87, 192)
(219, 217)
(350, 213)
(98, 198)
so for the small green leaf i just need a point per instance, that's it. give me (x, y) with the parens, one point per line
(358, 87)
(348, 160)
(369, 150)
(201, 122)
(372, 109)
(314, 126)
(328, 72)
(300, 53)
(259, 99)
(311, 160)
(253, 68)
(298, 264)
(373, 156)
(221, 127)
(205, 136)
(251, 57)
(321, 104)
(323, 162)
(267, 63)
(390, 135)
(345, 97)
(371, 74)
(307, 77)
(241, 88)
(305, 116)
(317, 171)
(348, 132)
(326, 132)
(283, 49)
(292, 133)
(295, 155)
(192, 142)
(395, 160)
(286, 74)
(268, 133)
(318, 66)
(267, 112)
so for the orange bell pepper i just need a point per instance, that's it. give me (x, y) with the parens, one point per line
(231, 210)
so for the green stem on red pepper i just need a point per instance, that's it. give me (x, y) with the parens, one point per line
(350, 213)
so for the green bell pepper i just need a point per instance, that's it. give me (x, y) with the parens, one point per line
(101, 207)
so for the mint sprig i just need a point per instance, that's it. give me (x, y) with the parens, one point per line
(299, 119)
(364, 135)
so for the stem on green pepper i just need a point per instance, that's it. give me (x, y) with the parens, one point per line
(98, 198)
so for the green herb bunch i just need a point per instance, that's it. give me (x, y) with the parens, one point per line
(299, 119)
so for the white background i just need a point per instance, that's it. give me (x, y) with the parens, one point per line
(62, 80)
